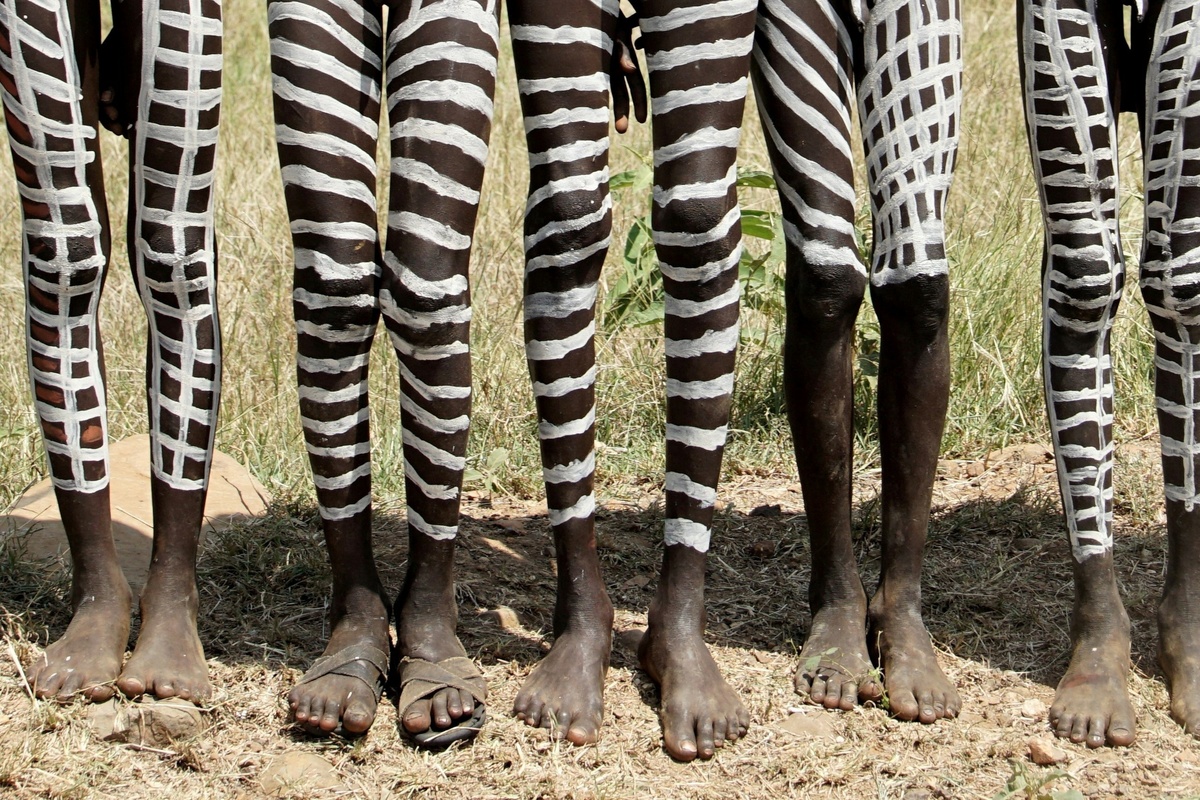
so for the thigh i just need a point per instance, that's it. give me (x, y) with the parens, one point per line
(910, 79)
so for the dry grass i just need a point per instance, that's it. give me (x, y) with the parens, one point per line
(998, 587)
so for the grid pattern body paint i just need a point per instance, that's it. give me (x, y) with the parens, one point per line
(1071, 122)
(174, 252)
(65, 250)
(332, 62)
(1170, 263)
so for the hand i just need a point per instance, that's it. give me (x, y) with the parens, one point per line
(625, 74)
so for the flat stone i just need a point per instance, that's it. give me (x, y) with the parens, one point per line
(812, 726)
(148, 722)
(1044, 752)
(505, 617)
(233, 494)
(298, 772)
(1033, 708)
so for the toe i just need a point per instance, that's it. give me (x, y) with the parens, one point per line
(816, 691)
(584, 729)
(1121, 730)
(417, 717)
(533, 713)
(358, 717)
(466, 703)
(131, 686)
(1079, 729)
(833, 691)
(849, 696)
(704, 737)
(679, 737)
(925, 702)
(1062, 728)
(47, 685)
(98, 693)
(743, 720)
(720, 731)
(1095, 732)
(454, 703)
(904, 706)
(441, 715)
(332, 716)
(869, 691)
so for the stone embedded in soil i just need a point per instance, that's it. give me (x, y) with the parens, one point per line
(771, 510)
(505, 617)
(1033, 708)
(148, 722)
(1026, 543)
(1045, 753)
(298, 772)
(815, 725)
(233, 494)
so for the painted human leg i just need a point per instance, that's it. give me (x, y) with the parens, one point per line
(173, 256)
(1070, 105)
(803, 74)
(908, 95)
(699, 57)
(441, 78)
(327, 69)
(1170, 280)
(49, 90)
(562, 56)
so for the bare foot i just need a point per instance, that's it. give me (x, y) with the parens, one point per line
(359, 645)
(87, 659)
(917, 689)
(835, 670)
(1091, 704)
(1179, 659)
(425, 625)
(168, 660)
(700, 712)
(565, 692)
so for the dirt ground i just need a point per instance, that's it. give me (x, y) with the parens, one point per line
(997, 596)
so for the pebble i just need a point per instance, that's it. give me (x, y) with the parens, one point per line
(1045, 753)
(298, 772)
(814, 726)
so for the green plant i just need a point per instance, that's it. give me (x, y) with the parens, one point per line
(1024, 785)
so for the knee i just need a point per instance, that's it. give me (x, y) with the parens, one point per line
(1082, 287)
(559, 195)
(697, 222)
(920, 305)
(822, 295)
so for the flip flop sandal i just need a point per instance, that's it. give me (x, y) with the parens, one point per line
(420, 679)
(363, 661)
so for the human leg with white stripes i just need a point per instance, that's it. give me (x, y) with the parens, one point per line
(904, 59)
(330, 59)
(167, 101)
(1078, 74)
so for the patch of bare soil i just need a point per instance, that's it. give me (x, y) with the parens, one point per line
(997, 596)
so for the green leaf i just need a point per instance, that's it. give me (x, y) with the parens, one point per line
(755, 179)
(759, 224)
(622, 180)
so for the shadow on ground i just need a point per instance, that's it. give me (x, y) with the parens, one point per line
(997, 582)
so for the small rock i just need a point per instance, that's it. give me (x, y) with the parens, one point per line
(918, 794)
(296, 771)
(814, 726)
(637, 582)
(1036, 453)
(505, 617)
(1026, 543)
(102, 719)
(1033, 708)
(1044, 753)
(975, 469)
(772, 510)
(630, 639)
(763, 549)
(148, 722)
(512, 525)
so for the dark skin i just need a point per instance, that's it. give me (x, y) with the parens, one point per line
(565, 692)
(168, 660)
(425, 610)
(1091, 704)
(850, 635)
